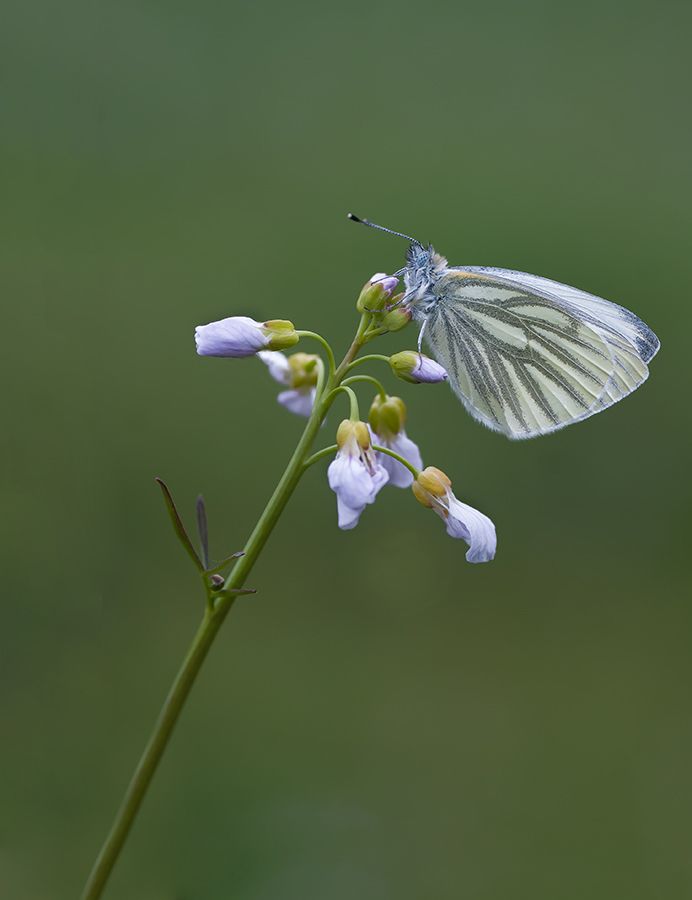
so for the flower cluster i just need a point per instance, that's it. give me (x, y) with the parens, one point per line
(367, 456)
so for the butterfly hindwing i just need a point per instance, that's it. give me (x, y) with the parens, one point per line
(526, 363)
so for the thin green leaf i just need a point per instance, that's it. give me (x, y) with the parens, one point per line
(178, 526)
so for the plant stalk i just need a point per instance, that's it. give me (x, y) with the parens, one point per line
(214, 616)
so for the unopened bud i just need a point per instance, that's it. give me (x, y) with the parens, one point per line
(349, 430)
(398, 318)
(302, 370)
(430, 481)
(376, 292)
(409, 365)
(387, 417)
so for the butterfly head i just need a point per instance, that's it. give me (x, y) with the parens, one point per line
(425, 265)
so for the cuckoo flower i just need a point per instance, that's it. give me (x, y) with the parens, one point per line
(299, 373)
(240, 336)
(433, 489)
(355, 475)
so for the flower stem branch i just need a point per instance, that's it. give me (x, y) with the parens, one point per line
(355, 411)
(369, 357)
(404, 462)
(367, 378)
(316, 457)
(325, 343)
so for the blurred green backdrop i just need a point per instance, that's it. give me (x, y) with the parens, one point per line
(382, 720)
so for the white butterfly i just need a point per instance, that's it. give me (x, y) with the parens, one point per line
(526, 355)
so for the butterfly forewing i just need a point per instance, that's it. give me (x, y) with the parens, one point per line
(608, 316)
(524, 362)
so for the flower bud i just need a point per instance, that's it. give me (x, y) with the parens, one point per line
(302, 370)
(349, 430)
(409, 365)
(376, 292)
(239, 336)
(433, 489)
(280, 333)
(398, 318)
(430, 481)
(387, 417)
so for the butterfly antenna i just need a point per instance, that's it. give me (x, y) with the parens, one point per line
(382, 228)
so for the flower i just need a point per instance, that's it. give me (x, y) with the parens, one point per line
(356, 474)
(433, 489)
(387, 418)
(239, 336)
(299, 372)
(376, 292)
(415, 367)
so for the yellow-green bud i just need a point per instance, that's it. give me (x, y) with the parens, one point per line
(302, 370)
(397, 318)
(387, 417)
(348, 430)
(430, 481)
(281, 334)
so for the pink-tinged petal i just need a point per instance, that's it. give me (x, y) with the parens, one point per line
(236, 336)
(299, 402)
(415, 367)
(278, 365)
(388, 283)
(472, 526)
(428, 371)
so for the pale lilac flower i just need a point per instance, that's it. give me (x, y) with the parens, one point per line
(433, 489)
(417, 368)
(356, 474)
(387, 282)
(239, 336)
(298, 400)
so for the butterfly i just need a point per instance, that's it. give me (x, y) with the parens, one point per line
(525, 355)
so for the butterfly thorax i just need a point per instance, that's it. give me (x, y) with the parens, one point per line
(425, 268)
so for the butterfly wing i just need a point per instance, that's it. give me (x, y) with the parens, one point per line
(615, 320)
(526, 360)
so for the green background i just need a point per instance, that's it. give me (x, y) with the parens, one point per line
(382, 720)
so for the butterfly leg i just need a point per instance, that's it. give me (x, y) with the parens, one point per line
(420, 339)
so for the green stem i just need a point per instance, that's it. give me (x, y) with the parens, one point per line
(316, 457)
(325, 343)
(355, 411)
(404, 462)
(214, 616)
(369, 357)
(367, 378)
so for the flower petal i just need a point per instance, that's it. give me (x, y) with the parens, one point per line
(387, 282)
(278, 365)
(299, 402)
(428, 371)
(467, 523)
(399, 475)
(355, 485)
(236, 336)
